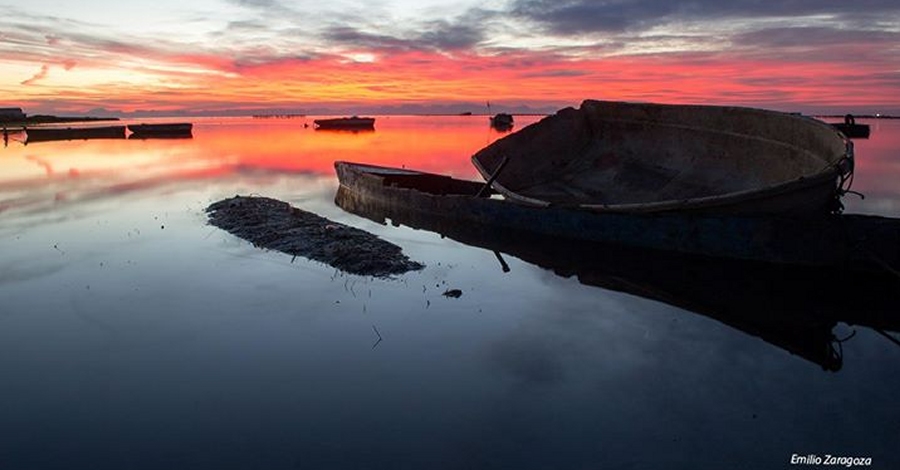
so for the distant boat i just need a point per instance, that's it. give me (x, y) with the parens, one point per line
(355, 122)
(851, 129)
(502, 121)
(48, 134)
(163, 129)
(648, 158)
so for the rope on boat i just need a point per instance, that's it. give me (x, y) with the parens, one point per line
(889, 337)
(845, 167)
(836, 354)
(494, 176)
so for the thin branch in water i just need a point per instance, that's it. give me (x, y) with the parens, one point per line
(379, 337)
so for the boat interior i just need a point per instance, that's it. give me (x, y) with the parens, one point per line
(609, 153)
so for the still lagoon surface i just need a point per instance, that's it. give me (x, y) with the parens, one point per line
(133, 335)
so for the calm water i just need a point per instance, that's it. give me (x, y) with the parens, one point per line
(135, 336)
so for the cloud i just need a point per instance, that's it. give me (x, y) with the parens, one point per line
(577, 17)
(462, 33)
(40, 75)
(443, 35)
(574, 17)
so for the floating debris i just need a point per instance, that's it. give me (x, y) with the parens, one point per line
(452, 293)
(276, 225)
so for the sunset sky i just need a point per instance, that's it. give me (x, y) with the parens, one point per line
(208, 56)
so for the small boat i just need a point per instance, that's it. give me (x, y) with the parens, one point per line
(502, 121)
(643, 158)
(180, 129)
(48, 134)
(854, 242)
(352, 123)
(851, 129)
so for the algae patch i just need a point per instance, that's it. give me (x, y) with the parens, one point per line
(276, 225)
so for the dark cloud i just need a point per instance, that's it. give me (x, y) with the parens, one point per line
(576, 17)
(820, 37)
(444, 35)
(565, 17)
(439, 35)
(352, 36)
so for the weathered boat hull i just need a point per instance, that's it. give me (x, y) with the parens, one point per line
(636, 158)
(851, 242)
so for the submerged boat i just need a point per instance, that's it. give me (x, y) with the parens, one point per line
(48, 134)
(353, 123)
(640, 158)
(176, 129)
(859, 243)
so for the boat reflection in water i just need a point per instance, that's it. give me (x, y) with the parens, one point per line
(793, 307)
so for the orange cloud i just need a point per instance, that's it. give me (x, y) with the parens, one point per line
(41, 74)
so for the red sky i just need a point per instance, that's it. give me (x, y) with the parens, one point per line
(401, 56)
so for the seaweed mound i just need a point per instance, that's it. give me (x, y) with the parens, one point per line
(276, 225)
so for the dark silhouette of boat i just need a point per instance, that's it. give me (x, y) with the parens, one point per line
(852, 242)
(502, 121)
(49, 134)
(653, 158)
(346, 123)
(794, 307)
(851, 129)
(162, 130)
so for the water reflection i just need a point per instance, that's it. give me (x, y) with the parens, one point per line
(64, 172)
(793, 307)
(129, 324)
(877, 166)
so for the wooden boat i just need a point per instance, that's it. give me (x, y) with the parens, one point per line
(851, 129)
(639, 158)
(48, 134)
(353, 123)
(794, 308)
(163, 129)
(863, 243)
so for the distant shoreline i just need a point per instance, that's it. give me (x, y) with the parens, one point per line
(47, 119)
(858, 116)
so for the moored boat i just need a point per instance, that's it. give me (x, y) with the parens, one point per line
(862, 243)
(353, 123)
(47, 134)
(162, 129)
(502, 121)
(640, 158)
(851, 129)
